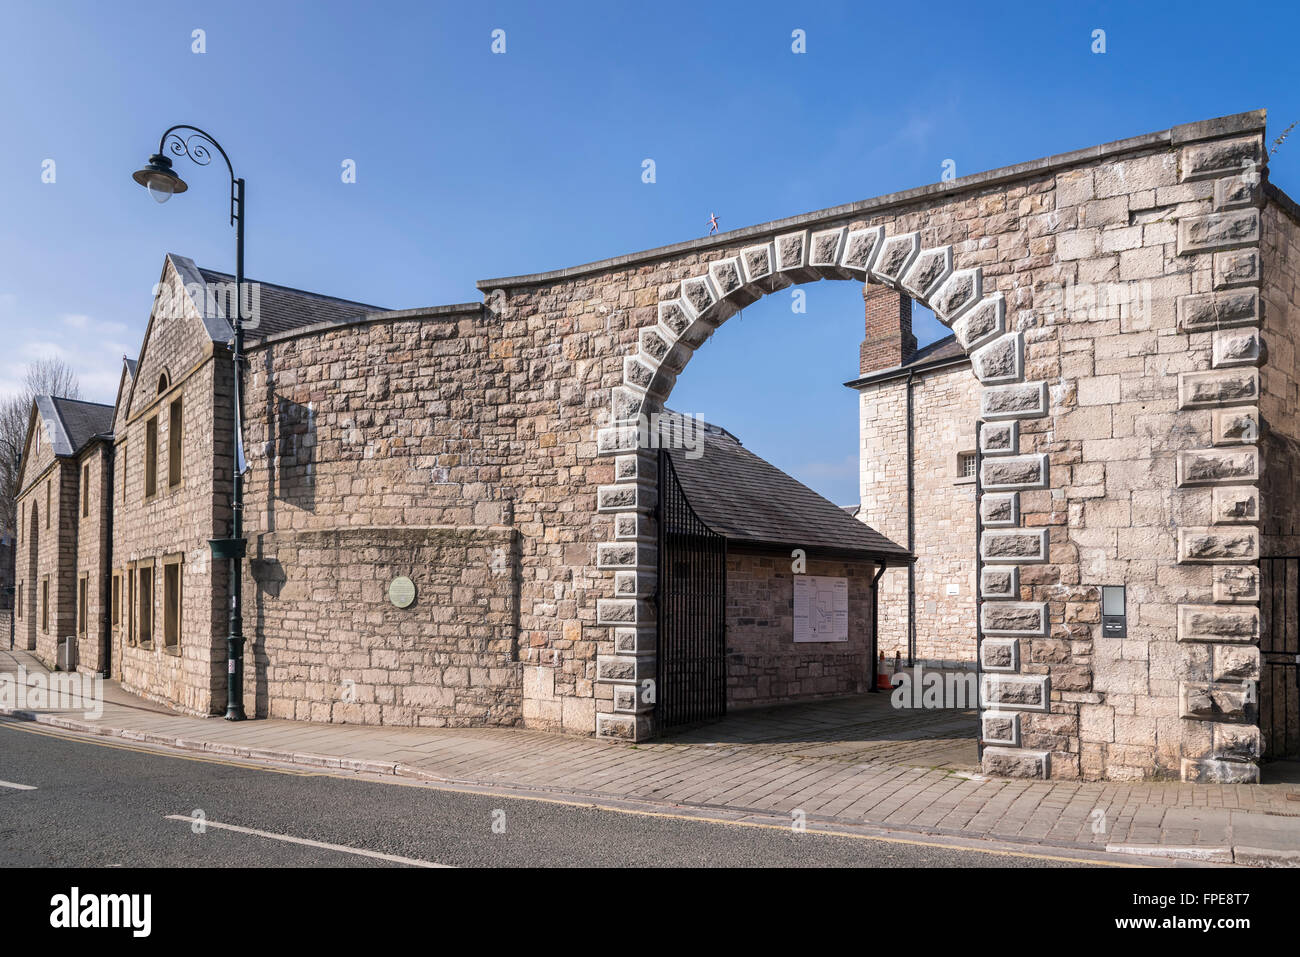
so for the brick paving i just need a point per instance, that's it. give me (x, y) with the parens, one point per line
(847, 760)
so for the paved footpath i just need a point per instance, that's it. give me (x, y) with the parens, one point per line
(1242, 824)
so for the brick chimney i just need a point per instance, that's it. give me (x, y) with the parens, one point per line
(889, 341)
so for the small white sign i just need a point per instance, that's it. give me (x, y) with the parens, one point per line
(821, 608)
(954, 589)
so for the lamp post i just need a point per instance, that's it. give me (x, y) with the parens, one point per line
(162, 184)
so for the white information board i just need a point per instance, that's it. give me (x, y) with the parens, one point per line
(821, 608)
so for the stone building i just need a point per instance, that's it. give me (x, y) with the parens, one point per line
(917, 414)
(62, 542)
(1128, 316)
(782, 537)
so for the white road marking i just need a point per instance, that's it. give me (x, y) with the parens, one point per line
(16, 787)
(288, 839)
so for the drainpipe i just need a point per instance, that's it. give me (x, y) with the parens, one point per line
(875, 623)
(911, 529)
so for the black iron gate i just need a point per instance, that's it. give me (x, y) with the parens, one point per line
(1279, 693)
(691, 683)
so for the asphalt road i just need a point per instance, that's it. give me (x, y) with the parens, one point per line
(97, 803)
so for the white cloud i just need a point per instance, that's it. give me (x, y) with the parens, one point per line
(92, 347)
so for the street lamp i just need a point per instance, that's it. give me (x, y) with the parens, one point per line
(162, 184)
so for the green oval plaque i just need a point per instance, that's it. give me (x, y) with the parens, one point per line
(401, 592)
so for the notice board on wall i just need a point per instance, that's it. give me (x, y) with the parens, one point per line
(821, 608)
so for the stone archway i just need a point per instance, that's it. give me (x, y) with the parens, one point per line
(958, 299)
(1111, 301)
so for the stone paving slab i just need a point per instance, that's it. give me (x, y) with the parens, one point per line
(756, 770)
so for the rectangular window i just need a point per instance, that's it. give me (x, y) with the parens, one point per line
(124, 461)
(18, 606)
(47, 502)
(45, 604)
(115, 602)
(145, 620)
(130, 604)
(172, 603)
(174, 444)
(85, 490)
(82, 584)
(151, 457)
(966, 465)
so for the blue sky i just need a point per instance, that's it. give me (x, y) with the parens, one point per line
(472, 165)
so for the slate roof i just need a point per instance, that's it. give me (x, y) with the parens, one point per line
(751, 501)
(283, 308)
(945, 348)
(73, 423)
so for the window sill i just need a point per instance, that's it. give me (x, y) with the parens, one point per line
(173, 650)
(964, 481)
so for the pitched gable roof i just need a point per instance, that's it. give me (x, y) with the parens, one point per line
(282, 308)
(73, 423)
(751, 501)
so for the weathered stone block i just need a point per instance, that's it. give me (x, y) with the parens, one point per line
(1237, 347)
(1237, 742)
(999, 581)
(1218, 231)
(1235, 663)
(1236, 267)
(1000, 438)
(1218, 310)
(1016, 763)
(1213, 701)
(1237, 426)
(1020, 546)
(792, 252)
(927, 271)
(1220, 158)
(860, 250)
(1236, 583)
(1218, 466)
(896, 255)
(1014, 472)
(1198, 390)
(625, 668)
(1222, 545)
(982, 323)
(1232, 192)
(1013, 618)
(1000, 728)
(1218, 623)
(1202, 771)
(1234, 504)
(1021, 401)
(958, 293)
(1000, 509)
(1002, 360)
(1015, 692)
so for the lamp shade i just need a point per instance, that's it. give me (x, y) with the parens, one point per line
(159, 179)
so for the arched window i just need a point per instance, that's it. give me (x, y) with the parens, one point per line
(164, 383)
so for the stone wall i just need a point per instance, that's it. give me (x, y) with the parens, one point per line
(373, 453)
(945, 405)
(1279, 402)
(175, 521)
(329, 645)
(764, 664)
(47, 550)
(94, 554)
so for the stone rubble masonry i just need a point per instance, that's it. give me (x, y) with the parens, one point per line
(1108, 393)
(763, 665)
(515, 413)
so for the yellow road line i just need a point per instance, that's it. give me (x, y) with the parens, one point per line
(567, 802)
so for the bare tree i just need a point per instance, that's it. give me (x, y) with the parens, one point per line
(49, 376)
